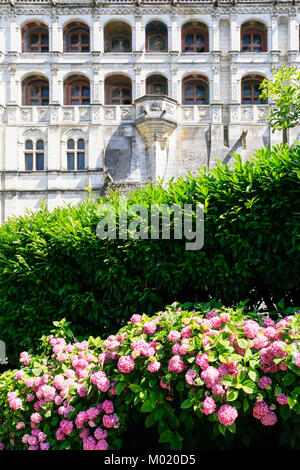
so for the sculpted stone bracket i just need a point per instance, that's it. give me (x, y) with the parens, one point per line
(156, 118)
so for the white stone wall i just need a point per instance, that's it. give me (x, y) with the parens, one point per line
(110, 130)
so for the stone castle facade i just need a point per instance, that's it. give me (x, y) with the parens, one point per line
(126, 91)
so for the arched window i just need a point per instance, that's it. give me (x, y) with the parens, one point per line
(253, 37)
(195, 37)
(195, 90)
(117, 37)
(251, 90)
(156, 37)
(34, 155)
(75, 154)
(118, 90)
(35, 91)
(76, 38)
(77, 91)
(156, 85)
(35, 38)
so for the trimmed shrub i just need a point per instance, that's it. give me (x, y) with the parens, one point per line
(52, 264)
(193, 376)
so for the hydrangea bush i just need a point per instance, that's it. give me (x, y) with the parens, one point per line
(177, 369)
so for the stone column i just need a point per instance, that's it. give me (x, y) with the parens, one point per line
(14, 32)
(138, 34)
(174, 36)
(215, 33)
(235, 38)
(175, 92)
(96, 42)
(56, 39)
(96, 90)
(274, 31)
(138, 83)
(12, 69)
(293, 44)
(215, 95)
(56, 86)
(235, 84)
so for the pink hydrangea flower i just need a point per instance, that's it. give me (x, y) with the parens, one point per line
(260, 341)
(45, 446)
(92, 413)
(101, 381)
(100, 434)
(209, 406)
(264, 382)
(298, 360)
(125, 364)
(135, 318)
(186, 332)
(150, 328)
(210, 376)
(101, 445)
(2, 446)
(109, 421)
(25, 358)
(227, 415)
(108, 407)
(36, 418)
(202, 361)
(174, 335)
(269, 419)
(19, 375)
(66, 426)
(190, 376)
(153, 366)
(20, 425)
(260, 409)
(282, 399)
(251, 328)
(176, 364)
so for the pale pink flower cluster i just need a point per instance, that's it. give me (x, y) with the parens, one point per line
(174, 335)
(210, 376)
(227, 415)
(14, 402)
(191, 376)
(251, 328)
(176, 365)
(25, 358)
(150, 328)
(209, 406)
(153, 366)
(101, 381)
(125, 364)
(135, 318)
(202, 360)
(141, 347)
(19, 375)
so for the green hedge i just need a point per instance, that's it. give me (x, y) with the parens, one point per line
(52, 264)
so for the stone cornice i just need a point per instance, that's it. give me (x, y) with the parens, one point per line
(154, 8)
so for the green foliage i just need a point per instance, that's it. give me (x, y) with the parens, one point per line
(284, 90)
(53, 265)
